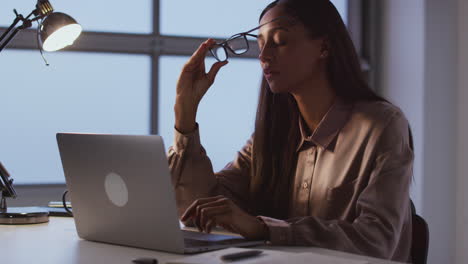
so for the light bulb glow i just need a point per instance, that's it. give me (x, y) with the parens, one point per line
(62, 37)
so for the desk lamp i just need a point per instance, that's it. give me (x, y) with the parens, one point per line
(55, 31)
(18, 215)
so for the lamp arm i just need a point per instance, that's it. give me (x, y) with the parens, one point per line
(6, 188)
(17, 19)
(6, 183)
(12, 35)
(26, 24)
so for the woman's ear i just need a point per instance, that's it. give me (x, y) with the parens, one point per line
(324, 50)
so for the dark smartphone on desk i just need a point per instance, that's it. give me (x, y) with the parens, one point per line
(241, 255)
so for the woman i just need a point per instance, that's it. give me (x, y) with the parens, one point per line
(329, 163)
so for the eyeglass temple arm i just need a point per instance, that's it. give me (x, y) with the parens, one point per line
(259, 26)
(247, 33)
(252, 35)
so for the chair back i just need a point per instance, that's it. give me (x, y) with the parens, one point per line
(420, 240)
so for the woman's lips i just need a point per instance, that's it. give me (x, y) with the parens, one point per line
(269, 73)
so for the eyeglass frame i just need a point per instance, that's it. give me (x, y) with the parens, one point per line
(242, 34)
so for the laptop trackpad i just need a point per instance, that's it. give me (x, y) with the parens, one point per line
(207, 237)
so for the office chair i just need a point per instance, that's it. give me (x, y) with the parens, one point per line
(420, 239)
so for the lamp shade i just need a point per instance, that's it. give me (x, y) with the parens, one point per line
(58, 31)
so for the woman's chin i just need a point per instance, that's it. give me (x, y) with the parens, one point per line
(278, 88)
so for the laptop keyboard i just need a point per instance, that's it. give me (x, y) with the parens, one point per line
(197, 239)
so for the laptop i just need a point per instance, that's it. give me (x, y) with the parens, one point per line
(121, 191)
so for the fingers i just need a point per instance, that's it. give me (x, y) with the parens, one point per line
(220, 200)
(202, 208)
(227, 226)
(212, 214)
(209, 212)
(209, 225)
(214, 70)
(198, 56)
(188, 223)
(214, 222)
(190, 211)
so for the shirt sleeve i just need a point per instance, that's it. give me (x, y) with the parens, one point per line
(383, 207)
(193, 176)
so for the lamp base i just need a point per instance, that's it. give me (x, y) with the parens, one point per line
(23, 216)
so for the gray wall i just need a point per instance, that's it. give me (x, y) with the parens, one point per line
(462, 142)
(402, 71)
(440, 104)
(424, 68)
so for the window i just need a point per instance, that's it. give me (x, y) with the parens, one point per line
(226, 114)
(342, 7)
(106, 16)
(79, 92)
(214, 18)
(127, 85)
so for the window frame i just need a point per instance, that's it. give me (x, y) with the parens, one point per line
(154, 45)
(364, 24)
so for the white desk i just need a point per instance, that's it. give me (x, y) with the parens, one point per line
(56, 242)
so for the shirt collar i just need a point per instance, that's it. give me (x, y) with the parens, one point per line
(328, 128)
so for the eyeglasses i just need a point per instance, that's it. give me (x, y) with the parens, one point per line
(236, 44)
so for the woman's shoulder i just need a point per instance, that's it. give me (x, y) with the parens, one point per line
(378, 113)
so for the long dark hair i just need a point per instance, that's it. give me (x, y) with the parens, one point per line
(276, 127)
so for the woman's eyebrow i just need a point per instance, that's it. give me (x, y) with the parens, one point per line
(273, 30)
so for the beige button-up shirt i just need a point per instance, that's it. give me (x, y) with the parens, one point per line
(350, 189)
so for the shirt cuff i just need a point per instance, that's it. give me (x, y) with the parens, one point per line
(279, 231)
(186, 142)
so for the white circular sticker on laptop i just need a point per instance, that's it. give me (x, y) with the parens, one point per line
(116, 189)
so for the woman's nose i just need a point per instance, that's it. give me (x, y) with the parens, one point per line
(265, 54)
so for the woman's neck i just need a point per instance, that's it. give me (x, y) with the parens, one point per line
(314, 100)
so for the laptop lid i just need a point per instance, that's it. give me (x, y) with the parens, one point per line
(121, 190)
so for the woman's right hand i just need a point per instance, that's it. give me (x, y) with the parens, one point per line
(192, 85)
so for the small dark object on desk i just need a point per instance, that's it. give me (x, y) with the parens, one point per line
(55, 211)
(240, 255)
(145, 261)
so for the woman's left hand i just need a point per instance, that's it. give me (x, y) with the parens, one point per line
(209, 212)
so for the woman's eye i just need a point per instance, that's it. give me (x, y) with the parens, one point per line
(275, 41)
(279, 40)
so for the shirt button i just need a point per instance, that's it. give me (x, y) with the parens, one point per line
(305, 185)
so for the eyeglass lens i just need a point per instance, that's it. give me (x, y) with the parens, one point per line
(238, 45)
(219, 52)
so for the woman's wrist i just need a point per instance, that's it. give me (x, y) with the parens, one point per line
(185, 127)
(259, 230)
(185, 117)
(265, 229)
